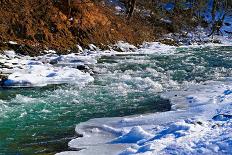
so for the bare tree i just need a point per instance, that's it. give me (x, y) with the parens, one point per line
(218, 23)
(70, 9)
(130, 8)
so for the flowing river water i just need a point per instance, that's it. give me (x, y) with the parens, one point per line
(42, 120)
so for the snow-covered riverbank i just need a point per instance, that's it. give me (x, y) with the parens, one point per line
(202, 126)
(25, 71)
(200, 122)
(48, 69)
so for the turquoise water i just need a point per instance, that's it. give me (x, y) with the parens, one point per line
(42, 120)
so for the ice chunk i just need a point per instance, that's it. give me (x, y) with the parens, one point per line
(134, 135)
(9, 53)
(125, 47)
(30, 72)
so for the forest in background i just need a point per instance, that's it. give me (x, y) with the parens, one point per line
(63, 24)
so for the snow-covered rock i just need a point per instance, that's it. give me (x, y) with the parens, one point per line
(26, 71)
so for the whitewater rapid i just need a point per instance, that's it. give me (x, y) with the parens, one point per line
(195, 80)
(200, 121)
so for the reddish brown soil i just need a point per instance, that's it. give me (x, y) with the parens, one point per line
(46, 24)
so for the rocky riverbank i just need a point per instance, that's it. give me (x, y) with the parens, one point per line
(48, 24)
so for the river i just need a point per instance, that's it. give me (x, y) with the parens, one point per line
(42, 120)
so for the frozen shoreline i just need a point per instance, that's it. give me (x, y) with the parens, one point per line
(203, 126)
(200, 123)
(26, 71)
(48, 69)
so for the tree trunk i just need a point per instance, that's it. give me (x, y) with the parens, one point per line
(130, 8)
(70, 9)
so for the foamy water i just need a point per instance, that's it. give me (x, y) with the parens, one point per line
(138, 81)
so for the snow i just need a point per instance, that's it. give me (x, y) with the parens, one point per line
(134, 135)
(9, 54)
(202, 126)
(51, 68)
(49, 51)
(169, 6)
(69, 60)
(199, 37)
(159, 48)
(40, 75)
(13, 42)
(26, 71)
(199, 122)
(124, 47)
(117, 4)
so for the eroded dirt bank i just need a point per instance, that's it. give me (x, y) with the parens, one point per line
(51, 24)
